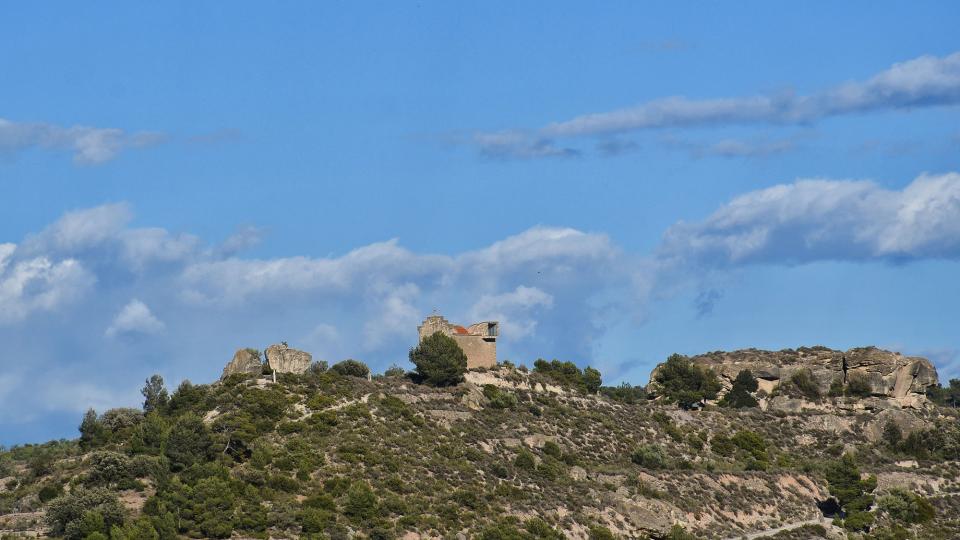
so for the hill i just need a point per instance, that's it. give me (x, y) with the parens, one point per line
(509, 453)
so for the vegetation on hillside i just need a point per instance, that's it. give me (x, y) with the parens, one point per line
(330, 454)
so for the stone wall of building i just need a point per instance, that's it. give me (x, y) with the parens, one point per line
(478, 341)
(480, 352)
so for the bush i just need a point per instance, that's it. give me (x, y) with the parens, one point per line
(83, 512)
(361, 503)
(525, 460)
(592, 380)
(539, 528)
(499, 399)
(851, 492)
(188, 443)
(682, 382)
(858, 521)
(599, 532)
(739, 396)
(906, 507)
(351, 368)
(859, 386)
(568, 375)
(439, 360)
(625, 393)
(394, 371)
(892, 434)
(108, 469)
(804, 385)
(186, 398)
(139, 529)
(649, 456)
(752, 443)
(92, 432)
(722, 445)
(115, 420)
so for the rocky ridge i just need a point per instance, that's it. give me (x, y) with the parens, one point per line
(893, 380)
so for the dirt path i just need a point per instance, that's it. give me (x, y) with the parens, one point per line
(826, 522)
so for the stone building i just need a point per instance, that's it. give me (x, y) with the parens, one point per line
(478, 341)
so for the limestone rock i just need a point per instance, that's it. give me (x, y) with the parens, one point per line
(283, 359)
(890, 375)
(907, 422)
(244, 361)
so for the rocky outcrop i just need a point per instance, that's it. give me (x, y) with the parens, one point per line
(283, 359)
(890, 375)
(244, 361)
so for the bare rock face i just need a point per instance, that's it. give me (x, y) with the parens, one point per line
(890, 375)
(283, 359)
(244, 361)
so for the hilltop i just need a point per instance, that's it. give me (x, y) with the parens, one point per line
(509, 453)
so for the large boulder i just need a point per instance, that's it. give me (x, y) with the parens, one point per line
(283, 359)
(244, 361)
(890, 375)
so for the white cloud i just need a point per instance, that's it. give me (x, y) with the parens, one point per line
(813, 220)
(135, 318)
(393, 315)
(103, 233)
(89, 145)
(556, 290)
(519, 145)
(77, 396)
(516, 310)
(38, 284)
(925, 81)
(732, 148)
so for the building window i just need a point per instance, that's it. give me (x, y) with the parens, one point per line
(492, 329)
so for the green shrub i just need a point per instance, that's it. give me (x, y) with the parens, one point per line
(859, 386)
(108, 469)
(552, 449)
(892, 434)
(722, 445)
(803, 384)
(188, 397)
(351, 368)
(439, 360)
(649, 456)
(568, 375)
(539, 528)
(49, 492)
(836, 387)
(155, 396)
(92, 432)
(140, 529)
(686, 384)
(361, 503)
(858, 521)
(906, 507)
(740, 394)
(394, 371)
(84, 511)
(599, 532)
(189, 442)
(499, 399)
(625, 393)
(525, 460)
(752, 443)
(846, 485)
(592, 380)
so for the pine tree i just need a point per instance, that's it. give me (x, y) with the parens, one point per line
(439, 360)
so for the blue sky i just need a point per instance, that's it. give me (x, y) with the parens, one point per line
(614, 184)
